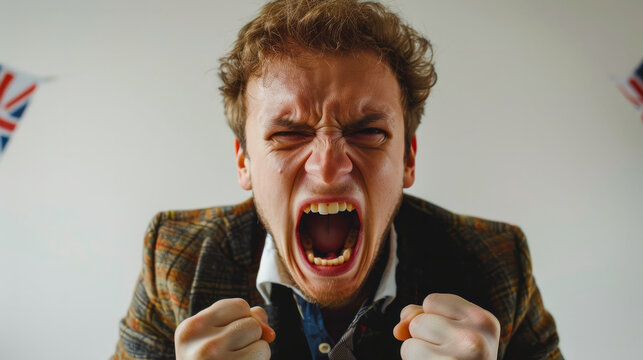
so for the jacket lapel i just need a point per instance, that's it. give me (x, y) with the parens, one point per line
(284, 318)
(229, 259)
(430, 259)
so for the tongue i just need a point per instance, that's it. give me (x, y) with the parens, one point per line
(328, 232)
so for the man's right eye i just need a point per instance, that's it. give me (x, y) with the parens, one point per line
(289, 137)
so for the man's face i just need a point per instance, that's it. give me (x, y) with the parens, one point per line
(325, 160)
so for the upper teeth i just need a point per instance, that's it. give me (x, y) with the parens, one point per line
(329, 208)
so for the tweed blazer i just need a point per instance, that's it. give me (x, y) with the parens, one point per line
(194, 258)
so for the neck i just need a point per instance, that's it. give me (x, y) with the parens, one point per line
(337, 319)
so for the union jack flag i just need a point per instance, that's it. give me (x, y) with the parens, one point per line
(15, 91)
(632, 88)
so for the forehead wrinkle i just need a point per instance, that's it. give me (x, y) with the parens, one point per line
(300, 94)
(350, 101)
(310, 95)
(279, 101)
(363, 110)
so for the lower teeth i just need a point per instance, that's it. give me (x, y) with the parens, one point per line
(344, 257)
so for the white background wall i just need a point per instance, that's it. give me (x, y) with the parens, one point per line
(524, 126)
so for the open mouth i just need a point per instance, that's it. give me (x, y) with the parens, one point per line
(328, 232)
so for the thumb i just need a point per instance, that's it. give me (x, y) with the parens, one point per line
(267, 333)
(401, 330)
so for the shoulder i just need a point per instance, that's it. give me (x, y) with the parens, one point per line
(178, 242)
(189, 221)
(428, 225)
(172, 233)
(486, 262)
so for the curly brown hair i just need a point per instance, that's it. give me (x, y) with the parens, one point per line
(330, 27)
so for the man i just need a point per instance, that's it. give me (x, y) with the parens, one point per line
(330, 260)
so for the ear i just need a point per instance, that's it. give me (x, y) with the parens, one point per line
(409, 166)
(243, 166)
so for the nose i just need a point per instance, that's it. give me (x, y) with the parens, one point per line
(329, 161)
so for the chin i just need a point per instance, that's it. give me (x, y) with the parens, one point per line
(329, 294)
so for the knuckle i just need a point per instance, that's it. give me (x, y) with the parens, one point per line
(404, 350)
(416, 324)
(408, 311)
(245, 325)
(187, 330)
(259, 311)
(494, 327)
(484, 320)
(472, 344)
(408, 308)
(410, 349)
(431, 299)
(236, 305)
(211, 349)
(256, 351)
(263, 350)
(477, 317)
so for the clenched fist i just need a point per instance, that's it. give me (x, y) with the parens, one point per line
(228, 329)
(447, 327)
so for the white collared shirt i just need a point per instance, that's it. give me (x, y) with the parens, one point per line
(273, 271)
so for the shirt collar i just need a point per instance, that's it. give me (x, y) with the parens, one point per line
(273, 271)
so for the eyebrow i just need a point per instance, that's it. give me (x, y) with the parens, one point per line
(287, 123)
(349, 127)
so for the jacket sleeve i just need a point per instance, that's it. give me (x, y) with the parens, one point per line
(534, 334)
(147, 330)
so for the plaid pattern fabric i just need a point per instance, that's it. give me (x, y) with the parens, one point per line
(194, 258)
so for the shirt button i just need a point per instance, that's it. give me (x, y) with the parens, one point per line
(324, 348)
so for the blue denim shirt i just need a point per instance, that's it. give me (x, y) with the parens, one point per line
(319, 342)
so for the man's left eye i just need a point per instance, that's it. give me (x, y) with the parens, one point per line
(367, 136)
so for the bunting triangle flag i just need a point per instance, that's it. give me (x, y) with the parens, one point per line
(632, 88)
(16, 89)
